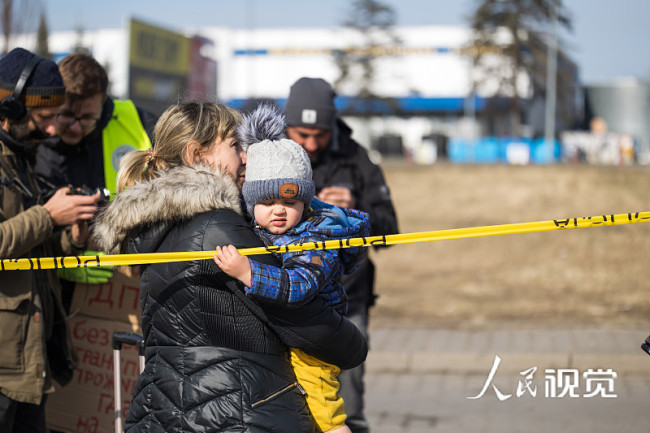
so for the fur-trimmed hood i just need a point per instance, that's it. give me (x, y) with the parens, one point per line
(176, 195)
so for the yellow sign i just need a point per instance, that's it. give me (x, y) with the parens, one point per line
(154, 48)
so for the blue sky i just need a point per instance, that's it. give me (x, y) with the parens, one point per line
(609, 38)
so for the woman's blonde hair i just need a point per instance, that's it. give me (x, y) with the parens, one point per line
(200, 122)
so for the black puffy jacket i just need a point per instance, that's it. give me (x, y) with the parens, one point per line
(213, 360)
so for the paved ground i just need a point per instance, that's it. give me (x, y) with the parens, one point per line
(420, 381)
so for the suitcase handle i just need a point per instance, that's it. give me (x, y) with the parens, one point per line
(128, 338)
(119, 339)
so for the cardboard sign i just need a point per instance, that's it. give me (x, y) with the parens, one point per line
(86, 404)
(118, 299)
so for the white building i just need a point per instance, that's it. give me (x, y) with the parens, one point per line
(427, 74)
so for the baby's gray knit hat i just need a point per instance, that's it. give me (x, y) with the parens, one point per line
(276, 167)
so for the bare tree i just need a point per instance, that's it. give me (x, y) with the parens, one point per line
(507, 42)
(42, 36)
(7, 7)
(374, 21)
(79, 46)
(17, 16)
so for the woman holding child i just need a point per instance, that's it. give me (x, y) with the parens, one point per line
(215, 360)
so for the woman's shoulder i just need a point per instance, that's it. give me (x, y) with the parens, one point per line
(226, 227)
(178, 195)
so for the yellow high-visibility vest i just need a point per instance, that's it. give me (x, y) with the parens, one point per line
(123, 133)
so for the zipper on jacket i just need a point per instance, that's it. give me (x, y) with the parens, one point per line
(279, 393)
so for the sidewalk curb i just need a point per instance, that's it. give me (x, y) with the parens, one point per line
(481, 363)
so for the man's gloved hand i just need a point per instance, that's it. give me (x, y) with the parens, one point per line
(89, 275)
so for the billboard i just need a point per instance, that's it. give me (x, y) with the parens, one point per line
(159, 63)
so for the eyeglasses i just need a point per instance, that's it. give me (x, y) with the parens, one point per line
(68, 120)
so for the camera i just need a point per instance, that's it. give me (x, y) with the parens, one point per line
(104, 193)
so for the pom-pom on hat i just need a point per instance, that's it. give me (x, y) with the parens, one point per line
(276, 167)
(311, 104)
(43, 88)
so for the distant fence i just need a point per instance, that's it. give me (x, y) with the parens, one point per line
(575, 146)
(491, 150)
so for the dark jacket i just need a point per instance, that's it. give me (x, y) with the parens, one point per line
(213, 363)
(34, 337)
(346, 163)
(82, 164)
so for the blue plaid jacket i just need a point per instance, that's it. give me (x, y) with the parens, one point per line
(310, 273)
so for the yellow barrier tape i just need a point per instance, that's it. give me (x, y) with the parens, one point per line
(397, 239)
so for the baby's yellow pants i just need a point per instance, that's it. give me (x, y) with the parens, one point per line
(320, 381)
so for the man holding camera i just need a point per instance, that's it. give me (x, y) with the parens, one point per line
(35, 348)
(94, 132)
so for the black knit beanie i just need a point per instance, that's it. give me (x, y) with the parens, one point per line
(311, 104)
(44, 87)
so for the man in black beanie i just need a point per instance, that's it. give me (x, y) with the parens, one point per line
(35, 348)
(344, 176)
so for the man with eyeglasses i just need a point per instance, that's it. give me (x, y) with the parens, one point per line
(94, 132)
(35, 348)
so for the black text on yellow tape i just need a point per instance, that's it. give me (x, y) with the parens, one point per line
(26, 264)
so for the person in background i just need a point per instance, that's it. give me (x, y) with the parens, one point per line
(34, 338)
(94, 132)
(345, 177)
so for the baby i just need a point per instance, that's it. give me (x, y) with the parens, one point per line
(279, 194)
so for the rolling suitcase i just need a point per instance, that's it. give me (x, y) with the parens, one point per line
(119, 339)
